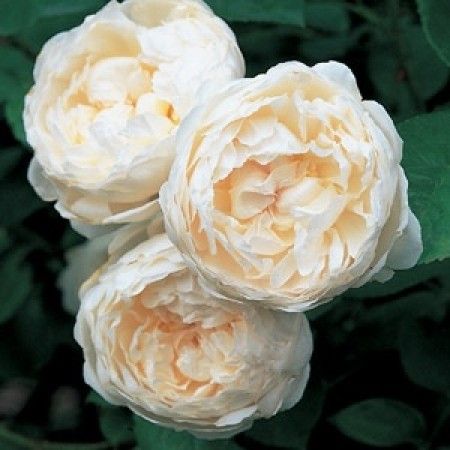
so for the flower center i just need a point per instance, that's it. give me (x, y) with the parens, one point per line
(284, 217)
(114, 97)
(278, 187)
(170, 351)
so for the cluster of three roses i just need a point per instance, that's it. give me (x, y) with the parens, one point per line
(278, 193)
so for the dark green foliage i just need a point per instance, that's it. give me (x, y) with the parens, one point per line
(152, 437)
(426, 162)
(286, 12)
(292, 428)
(434, 15)
(381, 365)
(381, 422)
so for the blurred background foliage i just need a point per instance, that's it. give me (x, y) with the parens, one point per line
(381, 366)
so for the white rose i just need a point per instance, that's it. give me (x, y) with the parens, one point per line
(287, 189)
(108, 98)
(154, 341)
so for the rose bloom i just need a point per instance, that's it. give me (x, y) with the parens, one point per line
(287, 189)
(108, 98)
(156, 342)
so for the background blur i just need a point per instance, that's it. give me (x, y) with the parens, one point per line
(381, 366)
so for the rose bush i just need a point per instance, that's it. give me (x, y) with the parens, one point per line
(156, 342)
(108, 97)
(287, 189)
(372, 344)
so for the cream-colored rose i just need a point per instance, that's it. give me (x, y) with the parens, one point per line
(156, 342)
(287, 189)
(108, 98)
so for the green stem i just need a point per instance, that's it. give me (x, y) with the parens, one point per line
(23, 443)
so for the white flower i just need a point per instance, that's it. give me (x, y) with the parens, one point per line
(154, 341)
(287, 189)
(108, 98)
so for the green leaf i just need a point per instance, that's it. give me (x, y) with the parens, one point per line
(64, 7)
(15, 72)
(16, 15)
(16, 284)
(17, 201)
(420, 61)
(154, 437)
(116, 425)
(378, 326)
(56, 16)
(35, 36)
(15, 63)
(426, 159)
(392, 313)
(15, 81)
(383, 68)
(291, 429)
(270, 38)
(435, 15)
(381, 422)
(402, 77)
(13, 114)
(21, 14)
(389, 80)
(327, 16)
(95, 399)
(286, 12)
(330, 46)
(402, 279)
(9, 159)
(425, 354)
(38, 331)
